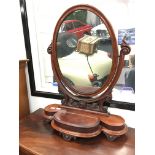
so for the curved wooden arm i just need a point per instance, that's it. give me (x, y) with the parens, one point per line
(125, 49)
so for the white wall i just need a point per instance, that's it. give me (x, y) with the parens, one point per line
(112, 9)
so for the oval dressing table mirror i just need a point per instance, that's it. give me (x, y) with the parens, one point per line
(86, 64)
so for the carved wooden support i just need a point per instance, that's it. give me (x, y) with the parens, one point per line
(95, 106)
(125, 48)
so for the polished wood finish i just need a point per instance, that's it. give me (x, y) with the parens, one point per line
(113, 120)
(76, 124)
(52, 109)
(70, 119)
(114, 132)
(23, 94)
(90, 98)
(72, 133)
(75, 119)
(37, 137)
(108, 120)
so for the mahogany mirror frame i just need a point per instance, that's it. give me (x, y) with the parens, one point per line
(117, 60)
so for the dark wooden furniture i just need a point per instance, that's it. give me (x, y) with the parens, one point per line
(37, 137)
(83, 112)
(23, 94)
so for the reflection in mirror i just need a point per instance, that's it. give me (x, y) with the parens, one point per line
(84, 50)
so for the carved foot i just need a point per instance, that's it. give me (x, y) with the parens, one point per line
(110, 137)
(67, 137)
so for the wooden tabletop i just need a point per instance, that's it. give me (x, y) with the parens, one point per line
(37, 137)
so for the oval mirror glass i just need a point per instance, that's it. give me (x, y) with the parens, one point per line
(84, 51)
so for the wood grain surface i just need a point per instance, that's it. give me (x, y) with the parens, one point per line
(37, 137)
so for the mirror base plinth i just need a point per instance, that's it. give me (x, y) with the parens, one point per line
(72, 122)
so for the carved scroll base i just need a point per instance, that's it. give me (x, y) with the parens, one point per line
(98, 106)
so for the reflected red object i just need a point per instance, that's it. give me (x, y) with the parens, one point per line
(77, 27)
(91, 77)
